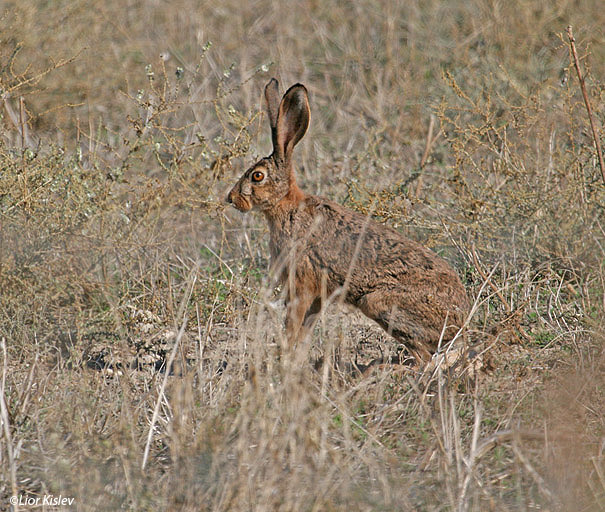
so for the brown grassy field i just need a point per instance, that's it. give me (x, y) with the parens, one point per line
(462, 124)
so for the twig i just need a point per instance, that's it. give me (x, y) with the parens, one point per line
(504, 436)
(572, 44)
(22, 123)
(27, 196)
(470, 462)
(6, 425)
(509, 311)
(542, 487)
(18, 120)
(22, 127)
(430, 140)
(36, 78)
(177, 341)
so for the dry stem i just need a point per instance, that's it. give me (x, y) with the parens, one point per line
(572, 44)
(6, 424)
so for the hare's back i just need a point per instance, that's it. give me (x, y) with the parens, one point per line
(352, 244)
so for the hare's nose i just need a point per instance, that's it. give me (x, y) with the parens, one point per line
(228, 198)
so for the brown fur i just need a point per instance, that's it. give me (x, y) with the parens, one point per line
(321, 248)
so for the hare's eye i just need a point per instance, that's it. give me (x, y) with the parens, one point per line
(257, 176)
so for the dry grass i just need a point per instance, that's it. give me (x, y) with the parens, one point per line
(119, 260)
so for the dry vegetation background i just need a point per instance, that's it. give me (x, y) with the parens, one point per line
(124, 124)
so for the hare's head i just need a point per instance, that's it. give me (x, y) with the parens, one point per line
(270, 179)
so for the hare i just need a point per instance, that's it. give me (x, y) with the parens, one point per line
(320, 249)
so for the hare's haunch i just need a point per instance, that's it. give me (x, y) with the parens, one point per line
(319, 248)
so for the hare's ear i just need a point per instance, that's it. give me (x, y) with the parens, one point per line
(272, 99)
(292, 120)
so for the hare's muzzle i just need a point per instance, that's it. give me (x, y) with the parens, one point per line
(238, 200)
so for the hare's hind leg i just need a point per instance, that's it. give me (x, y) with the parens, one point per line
(312, 314)
(390, 309)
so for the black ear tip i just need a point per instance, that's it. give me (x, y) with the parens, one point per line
(298, 88)
(297, 94)
(273, 83)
